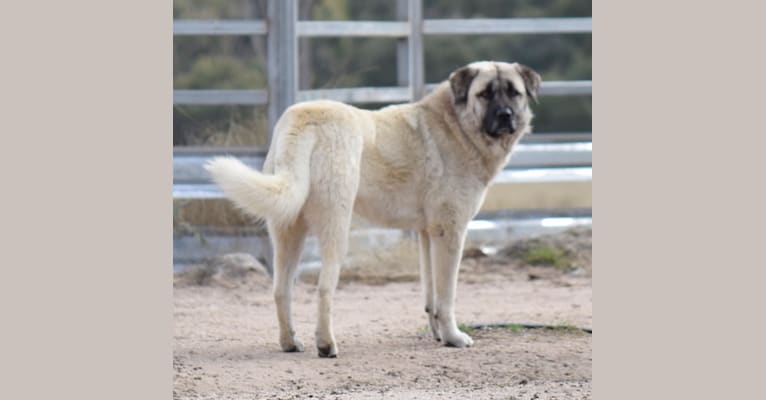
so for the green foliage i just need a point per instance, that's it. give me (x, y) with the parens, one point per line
(466, 329)
(215, 9)
(506, 9)
(566, 328)
(547, 255)
(221, 72)
(332, 10)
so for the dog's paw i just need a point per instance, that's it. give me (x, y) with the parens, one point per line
(291, 345)
(327, 351)
(458, 339)
(326, 348)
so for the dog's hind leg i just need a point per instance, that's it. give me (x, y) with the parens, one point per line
(335, 174)
(333, 242)
(329, 212)
(288, 244)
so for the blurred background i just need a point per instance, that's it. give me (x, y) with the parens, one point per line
(240, 62)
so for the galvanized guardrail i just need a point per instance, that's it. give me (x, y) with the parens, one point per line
(396, 29)
(283, 29)
(378, 94)
(205, 190)
(188, 167)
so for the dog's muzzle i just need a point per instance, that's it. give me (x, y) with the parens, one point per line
(505, 119)
(504, 122)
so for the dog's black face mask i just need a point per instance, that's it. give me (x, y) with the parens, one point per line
(504, 106)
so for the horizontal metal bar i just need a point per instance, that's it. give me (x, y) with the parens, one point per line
(217, 150)
(220, 97)
(550, 175)
(188, 168)
(553, 88)
(535, 175)
(566, 88)
(198, 27)
(209, 151)
(401, 94)
(352, 28)
(357, 94)
(196, 191)
(184, 27)
(348, 95)
(527, 155)
(509, 25)
(551, 137)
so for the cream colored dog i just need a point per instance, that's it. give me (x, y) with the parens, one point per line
(423, 166)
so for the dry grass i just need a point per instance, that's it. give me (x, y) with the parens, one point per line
(222, 215)
(239, 131)
(228, 271)
(545, 257)
(568, 250)
(219, 213)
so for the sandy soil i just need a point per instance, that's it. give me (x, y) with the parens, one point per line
(226, 340)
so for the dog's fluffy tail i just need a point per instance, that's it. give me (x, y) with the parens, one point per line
(278, 197)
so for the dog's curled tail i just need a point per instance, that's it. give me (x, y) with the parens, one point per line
(279, 197)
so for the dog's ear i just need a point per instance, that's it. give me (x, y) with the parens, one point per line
(531, 81)
(460, 81)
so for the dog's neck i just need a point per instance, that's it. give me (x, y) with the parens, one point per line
(493, 153)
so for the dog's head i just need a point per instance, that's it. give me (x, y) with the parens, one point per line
(492, 98)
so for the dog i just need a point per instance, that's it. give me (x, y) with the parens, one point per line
(422, 166)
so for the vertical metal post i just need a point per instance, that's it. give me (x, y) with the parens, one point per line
(282, 53)
(282, 57)
(415, 53)
(402, 48)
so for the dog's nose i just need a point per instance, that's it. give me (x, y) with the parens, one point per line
(504, 114)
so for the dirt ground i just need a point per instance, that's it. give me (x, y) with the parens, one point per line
(226, 334)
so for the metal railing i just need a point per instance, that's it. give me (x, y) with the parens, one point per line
(283, 29)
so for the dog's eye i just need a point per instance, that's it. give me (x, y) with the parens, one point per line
(512, 91)
(486, 94)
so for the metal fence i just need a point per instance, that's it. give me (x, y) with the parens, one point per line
(283, 29)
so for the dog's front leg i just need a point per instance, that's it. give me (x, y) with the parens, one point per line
(446, 251)
(427, 281)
